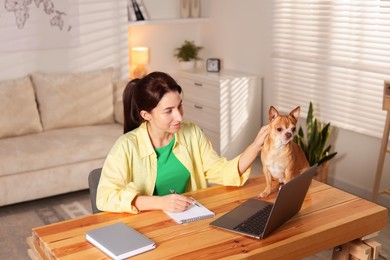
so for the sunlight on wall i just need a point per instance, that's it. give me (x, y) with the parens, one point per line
(104, 36)
(234, 109)
(102, 44)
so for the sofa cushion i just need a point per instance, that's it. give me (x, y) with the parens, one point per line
(56, 148)
(118, 104)
(77, 99)
(18, 108)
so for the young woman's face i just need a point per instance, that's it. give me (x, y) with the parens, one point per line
(168, 114)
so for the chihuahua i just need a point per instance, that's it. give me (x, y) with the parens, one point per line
(281, 157)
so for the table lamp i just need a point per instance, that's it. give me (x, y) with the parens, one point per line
(139, 58)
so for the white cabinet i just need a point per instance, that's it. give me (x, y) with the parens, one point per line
(225, 105)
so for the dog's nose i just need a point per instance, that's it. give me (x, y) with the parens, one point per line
(288, 135)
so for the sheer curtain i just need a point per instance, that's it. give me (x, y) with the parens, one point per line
(336, 54)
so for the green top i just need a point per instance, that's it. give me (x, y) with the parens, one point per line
(171, 173)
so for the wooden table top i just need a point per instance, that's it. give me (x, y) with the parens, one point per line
(329, 217)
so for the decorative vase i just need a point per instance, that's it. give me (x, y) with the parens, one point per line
(185, 6)
(187, 65)
(195, 8)
(322, 172)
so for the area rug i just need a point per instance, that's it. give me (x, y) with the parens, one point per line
(17, 221)
(52, 214)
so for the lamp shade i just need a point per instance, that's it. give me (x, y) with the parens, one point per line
(139, 55)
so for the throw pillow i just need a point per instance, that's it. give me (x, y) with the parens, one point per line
(78, 99)
(18, 108)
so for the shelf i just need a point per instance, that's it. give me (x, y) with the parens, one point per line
(169, 21)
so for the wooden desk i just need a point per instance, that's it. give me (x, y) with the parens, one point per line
(328, 218)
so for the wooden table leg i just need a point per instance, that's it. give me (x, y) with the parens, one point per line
(357, 250)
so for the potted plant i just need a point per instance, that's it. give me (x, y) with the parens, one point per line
(187, 54)
(314, 144)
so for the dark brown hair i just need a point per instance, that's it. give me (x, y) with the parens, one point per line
(145, 94)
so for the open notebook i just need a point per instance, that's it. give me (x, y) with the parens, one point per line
(196, 212)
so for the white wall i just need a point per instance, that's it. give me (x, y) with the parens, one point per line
(240, 33)
(103, 43)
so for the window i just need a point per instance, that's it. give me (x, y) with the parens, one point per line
(336, 54)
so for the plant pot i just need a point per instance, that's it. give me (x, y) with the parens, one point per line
(322, 172)
(187, 65)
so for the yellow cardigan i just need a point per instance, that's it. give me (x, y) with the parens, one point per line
(130, 168)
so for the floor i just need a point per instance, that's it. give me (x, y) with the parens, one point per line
(17, 221)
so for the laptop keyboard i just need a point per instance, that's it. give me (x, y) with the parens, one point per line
(256, 223)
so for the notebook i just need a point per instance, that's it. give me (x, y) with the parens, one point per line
(258, 218)
(119, 241)
(196, 212)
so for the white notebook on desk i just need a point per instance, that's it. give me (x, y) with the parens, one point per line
(119, 240)
(196, 212)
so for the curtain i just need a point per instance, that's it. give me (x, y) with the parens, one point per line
(335, 54)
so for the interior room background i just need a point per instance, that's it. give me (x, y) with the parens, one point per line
(240, 33)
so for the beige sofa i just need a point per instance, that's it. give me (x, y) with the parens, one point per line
(55, 129)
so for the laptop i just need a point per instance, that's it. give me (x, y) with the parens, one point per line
(257, 218)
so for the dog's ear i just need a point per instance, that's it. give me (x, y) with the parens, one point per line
(295, 113)
(272, 113)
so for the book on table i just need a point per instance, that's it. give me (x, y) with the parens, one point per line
(119, 240)
(196, 212)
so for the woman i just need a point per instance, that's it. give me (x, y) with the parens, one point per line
(159, 154)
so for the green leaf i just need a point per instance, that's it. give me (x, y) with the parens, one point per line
(300, 132)
(188, 51)
(314, 143)
(327, 158)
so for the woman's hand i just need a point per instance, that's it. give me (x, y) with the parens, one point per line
(260, 138)
(171, 202)
(175, 203)
(253, 150)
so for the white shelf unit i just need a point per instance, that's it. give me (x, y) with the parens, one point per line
(225, 105)
(169, 21)
(174, 30)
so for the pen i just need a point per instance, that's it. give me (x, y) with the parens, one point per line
(174, 192)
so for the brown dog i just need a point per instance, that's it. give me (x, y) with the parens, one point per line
(281, 157)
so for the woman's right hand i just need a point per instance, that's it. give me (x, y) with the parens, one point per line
(171, 202)
(261, 135)
(175, 202)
